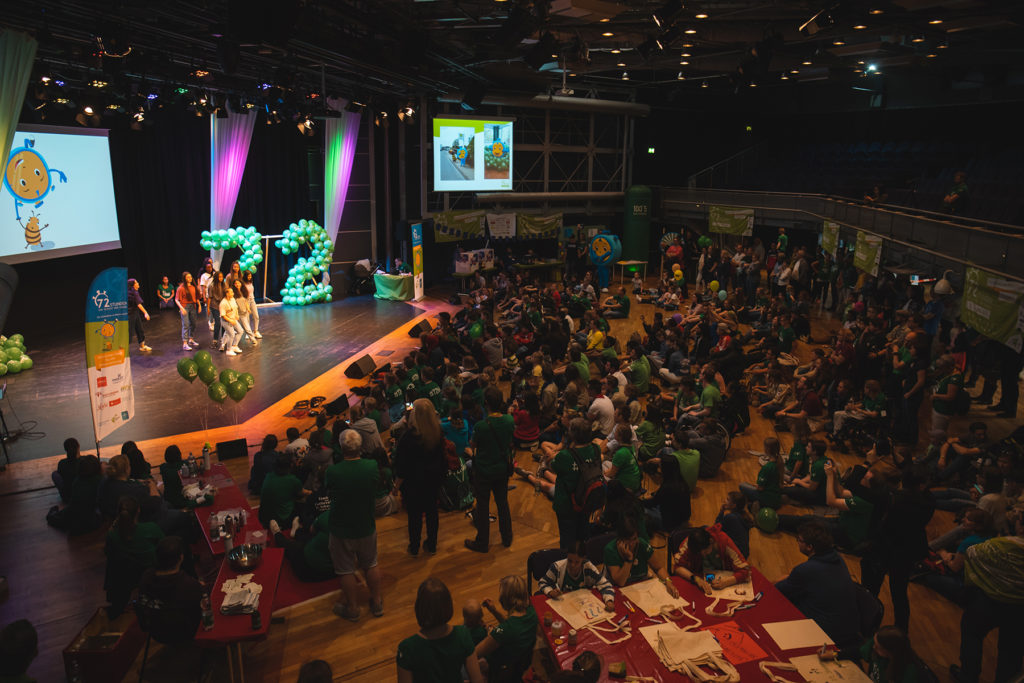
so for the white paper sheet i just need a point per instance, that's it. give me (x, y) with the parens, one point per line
(790, 635)
(579, 607)
(816, 671)
(651, 596)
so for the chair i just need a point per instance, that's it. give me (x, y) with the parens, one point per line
(595, 547)
(675, 539)
(538, 562)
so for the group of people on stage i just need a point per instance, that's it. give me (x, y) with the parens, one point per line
(229, 301)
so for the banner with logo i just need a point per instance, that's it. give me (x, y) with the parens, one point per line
(830, 238)
(994, 307)
(452, 226)
(417, 261)
(106, 352)
(533, 227)
(867, 253)
(502, 226)
(731, 220)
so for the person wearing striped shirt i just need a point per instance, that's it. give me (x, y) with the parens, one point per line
(576, 572)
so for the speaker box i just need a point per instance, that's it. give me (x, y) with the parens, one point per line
(238, 448)
(419, 328)
(360, 368)
(337, 406)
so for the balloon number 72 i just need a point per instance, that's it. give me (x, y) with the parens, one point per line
(302, 286)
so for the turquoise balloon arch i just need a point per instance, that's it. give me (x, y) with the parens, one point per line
(303, 286)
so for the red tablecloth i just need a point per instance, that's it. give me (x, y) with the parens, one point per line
(641, 660)
(229, 629)
(229, 497)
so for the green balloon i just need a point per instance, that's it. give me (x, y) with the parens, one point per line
(18, 339)
(26, 363)
(203, 358)
(249, 380)
(14, 366)
(228, 376)
(767, 520)
(237, 390)
(207, 374)
(13, 353)
(3, 369)
(188, 369)
(218, 392)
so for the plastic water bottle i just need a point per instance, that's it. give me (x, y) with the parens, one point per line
(206, 457)
(193, 467)
(207, 608)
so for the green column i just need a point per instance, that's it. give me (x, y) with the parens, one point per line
(636, 223)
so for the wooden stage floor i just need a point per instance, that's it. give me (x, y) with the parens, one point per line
(298, 345)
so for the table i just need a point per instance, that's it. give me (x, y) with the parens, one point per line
(624, 264)
(543, 265)
(231, 631)
(228, 497)
(640, 658)
(393, 287)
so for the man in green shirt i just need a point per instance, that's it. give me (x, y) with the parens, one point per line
(429, 388)
(280, 490)
(581, 362)
(786, 335)
(492, 441)
(639, 368)
(352, 484)
(689, 458)
(627, 556)
(617, 306)
(710, 401)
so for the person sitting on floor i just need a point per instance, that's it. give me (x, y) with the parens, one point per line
(709, 550)
(281, 489)
(626, 558)
(573, 573)
(263, 464)
(170, 473)
(307, 551)
(507, 651)
(80, 515)
(168, 605)
(19, 645)
(736, 521)
(67, 469)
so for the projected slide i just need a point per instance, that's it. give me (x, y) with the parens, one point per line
(472, 155)
(58, 196)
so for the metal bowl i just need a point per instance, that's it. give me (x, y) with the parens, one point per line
(246, 557)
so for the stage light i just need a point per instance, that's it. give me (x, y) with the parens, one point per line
(200, 73)
(838, 41)
(181, 91)
(859, 27)
(619, 64)
(704, 84)
(701, 16)
(650, 150)
(807, 62)
(684, 63)
(872, 68)
(664, 15)
(605, 20)
(625, 75)
(687, 45)
(45, 79)
(616, 51)
(680, 76)
(784, 77)
(87, 110)
(96, 83)
(152, 96)
(935, 22)
(306, 127)
(876, 11)
(407, 115)
(354, 107)
(917, 39)
(686, 54)
(941, 46)
(690, 31)
(607, 34)
(931, 56)
(60, 84)
(381, 119)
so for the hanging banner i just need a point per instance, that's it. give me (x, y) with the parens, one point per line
(731, 220)
(830, 237)
(994, 307)
(502, 226)
(106, 352)
(417, 261)
(452, 226)
(536, 227)
(867, 254)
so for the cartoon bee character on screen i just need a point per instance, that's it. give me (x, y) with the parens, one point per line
(33, 231)
(28, 178)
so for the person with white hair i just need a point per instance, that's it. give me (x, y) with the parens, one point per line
(352, 483)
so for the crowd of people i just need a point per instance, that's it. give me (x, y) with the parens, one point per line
(621, 429)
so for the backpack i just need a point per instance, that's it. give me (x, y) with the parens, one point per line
(589, 495)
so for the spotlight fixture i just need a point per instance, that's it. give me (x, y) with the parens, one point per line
(96, 83)
(872, 68)
(87, 110)
(664, 15)
(838, 41)
(45, 80)
(407, 115)
(935, 22)
(753, 85)
(625, 75)
(381, 119)
(305, 127)
(607, 34)
(684, 63)
(354, 107)
(701, 16)
(616, 51)
(680, 76)
(200, 73)
(917, 39)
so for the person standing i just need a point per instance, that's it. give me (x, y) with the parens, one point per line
(353, 542)
(214, 295)
(492, 465)
(228, 321)
(136, 311)
(572, 524)
(249, 289)
(190, 306)
(204, 282)
(242, 303)
(419, 472)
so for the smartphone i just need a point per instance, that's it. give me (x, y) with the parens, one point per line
(709, 577)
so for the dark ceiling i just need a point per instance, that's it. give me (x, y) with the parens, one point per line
(282, 51)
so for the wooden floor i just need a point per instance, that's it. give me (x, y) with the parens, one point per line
(56, 582)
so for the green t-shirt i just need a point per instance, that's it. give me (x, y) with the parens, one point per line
(641, 374)
(786, 338)
(855, 520)
(797, 454)
(352, 485)
(628, 471)
(684, 400)
(783, 243)
(515, 637)
(165, 291)
(768, 480)
(689, 465)
(476, 330)
(277, 499)
(905, 357)
(568, 475)
(583, 365)
(394, 394)
(818, 473)
(414, 374)
(623, 300)
(409, 388)
(493, 439)
(876, 404)
(433, 392)
(942, 406)
(608, 353)
(436, 661)
(316, 551)
(711, 397)
(141, 549)
(652, 440)
(638, 572)
(603, 325)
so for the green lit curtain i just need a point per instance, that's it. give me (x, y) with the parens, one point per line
(17, 53)
(340, 137)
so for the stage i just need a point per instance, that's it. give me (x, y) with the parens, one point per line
(299, 345)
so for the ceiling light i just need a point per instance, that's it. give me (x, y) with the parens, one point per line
(98, 84)
(625, 75)
(572, 73)
(680, 76)
(45, 79)
(807, 62)
(931, 56)
(943, 45)
(687, 45)
(200, 73)
(872, 68)
(934, 22)
(753, 85)
(861, 61)
(839, 41)
(917, 39)
(690, 31)
(616, 51)
(876, 11)
(554, 56)
(784, 77)
(87, 110)
(605, 20)
(859, 27)
(684, 63)
(794, 71)
(701, 16)
(686, 54)
(607, 34)
(704, 84)
(619, 64)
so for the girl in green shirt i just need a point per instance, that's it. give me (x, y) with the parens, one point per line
(768, 491)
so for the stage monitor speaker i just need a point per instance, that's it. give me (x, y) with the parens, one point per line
(337, 406)
(419, 328)
(237, 448)
(360, 368)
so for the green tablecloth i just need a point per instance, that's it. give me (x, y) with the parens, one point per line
(393, 287)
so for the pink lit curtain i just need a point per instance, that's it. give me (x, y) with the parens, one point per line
(340, 136)
(229, 147)
(17, 53)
